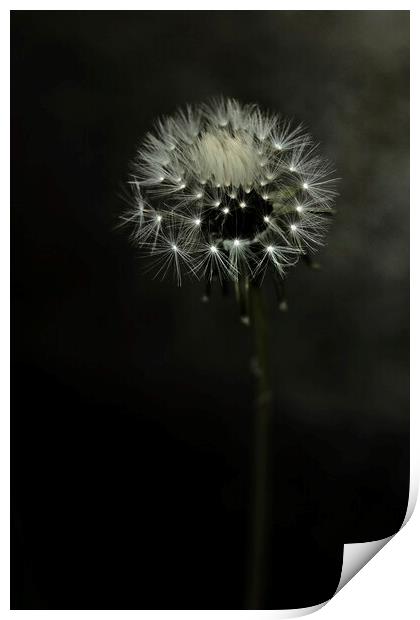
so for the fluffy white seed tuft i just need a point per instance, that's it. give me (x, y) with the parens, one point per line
(225, 159)
(224, 189)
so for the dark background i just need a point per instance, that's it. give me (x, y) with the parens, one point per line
(132, 402)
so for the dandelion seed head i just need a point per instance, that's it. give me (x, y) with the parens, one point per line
(213, 160)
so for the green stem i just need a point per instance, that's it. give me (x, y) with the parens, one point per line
(261, 456)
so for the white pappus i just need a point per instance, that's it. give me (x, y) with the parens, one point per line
(225, 190)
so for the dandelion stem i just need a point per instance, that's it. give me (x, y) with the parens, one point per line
(261, 473)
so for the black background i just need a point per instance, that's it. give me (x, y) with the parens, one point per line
(132, 402)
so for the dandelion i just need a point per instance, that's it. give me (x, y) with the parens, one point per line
(225, 191)
(222, 171)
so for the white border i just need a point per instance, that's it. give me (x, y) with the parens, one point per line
(198, 5)
(387, 587)
(5, 314)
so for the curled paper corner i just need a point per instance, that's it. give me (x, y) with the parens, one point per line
(356, 556)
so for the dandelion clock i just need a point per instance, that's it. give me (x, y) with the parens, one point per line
(226, 193)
